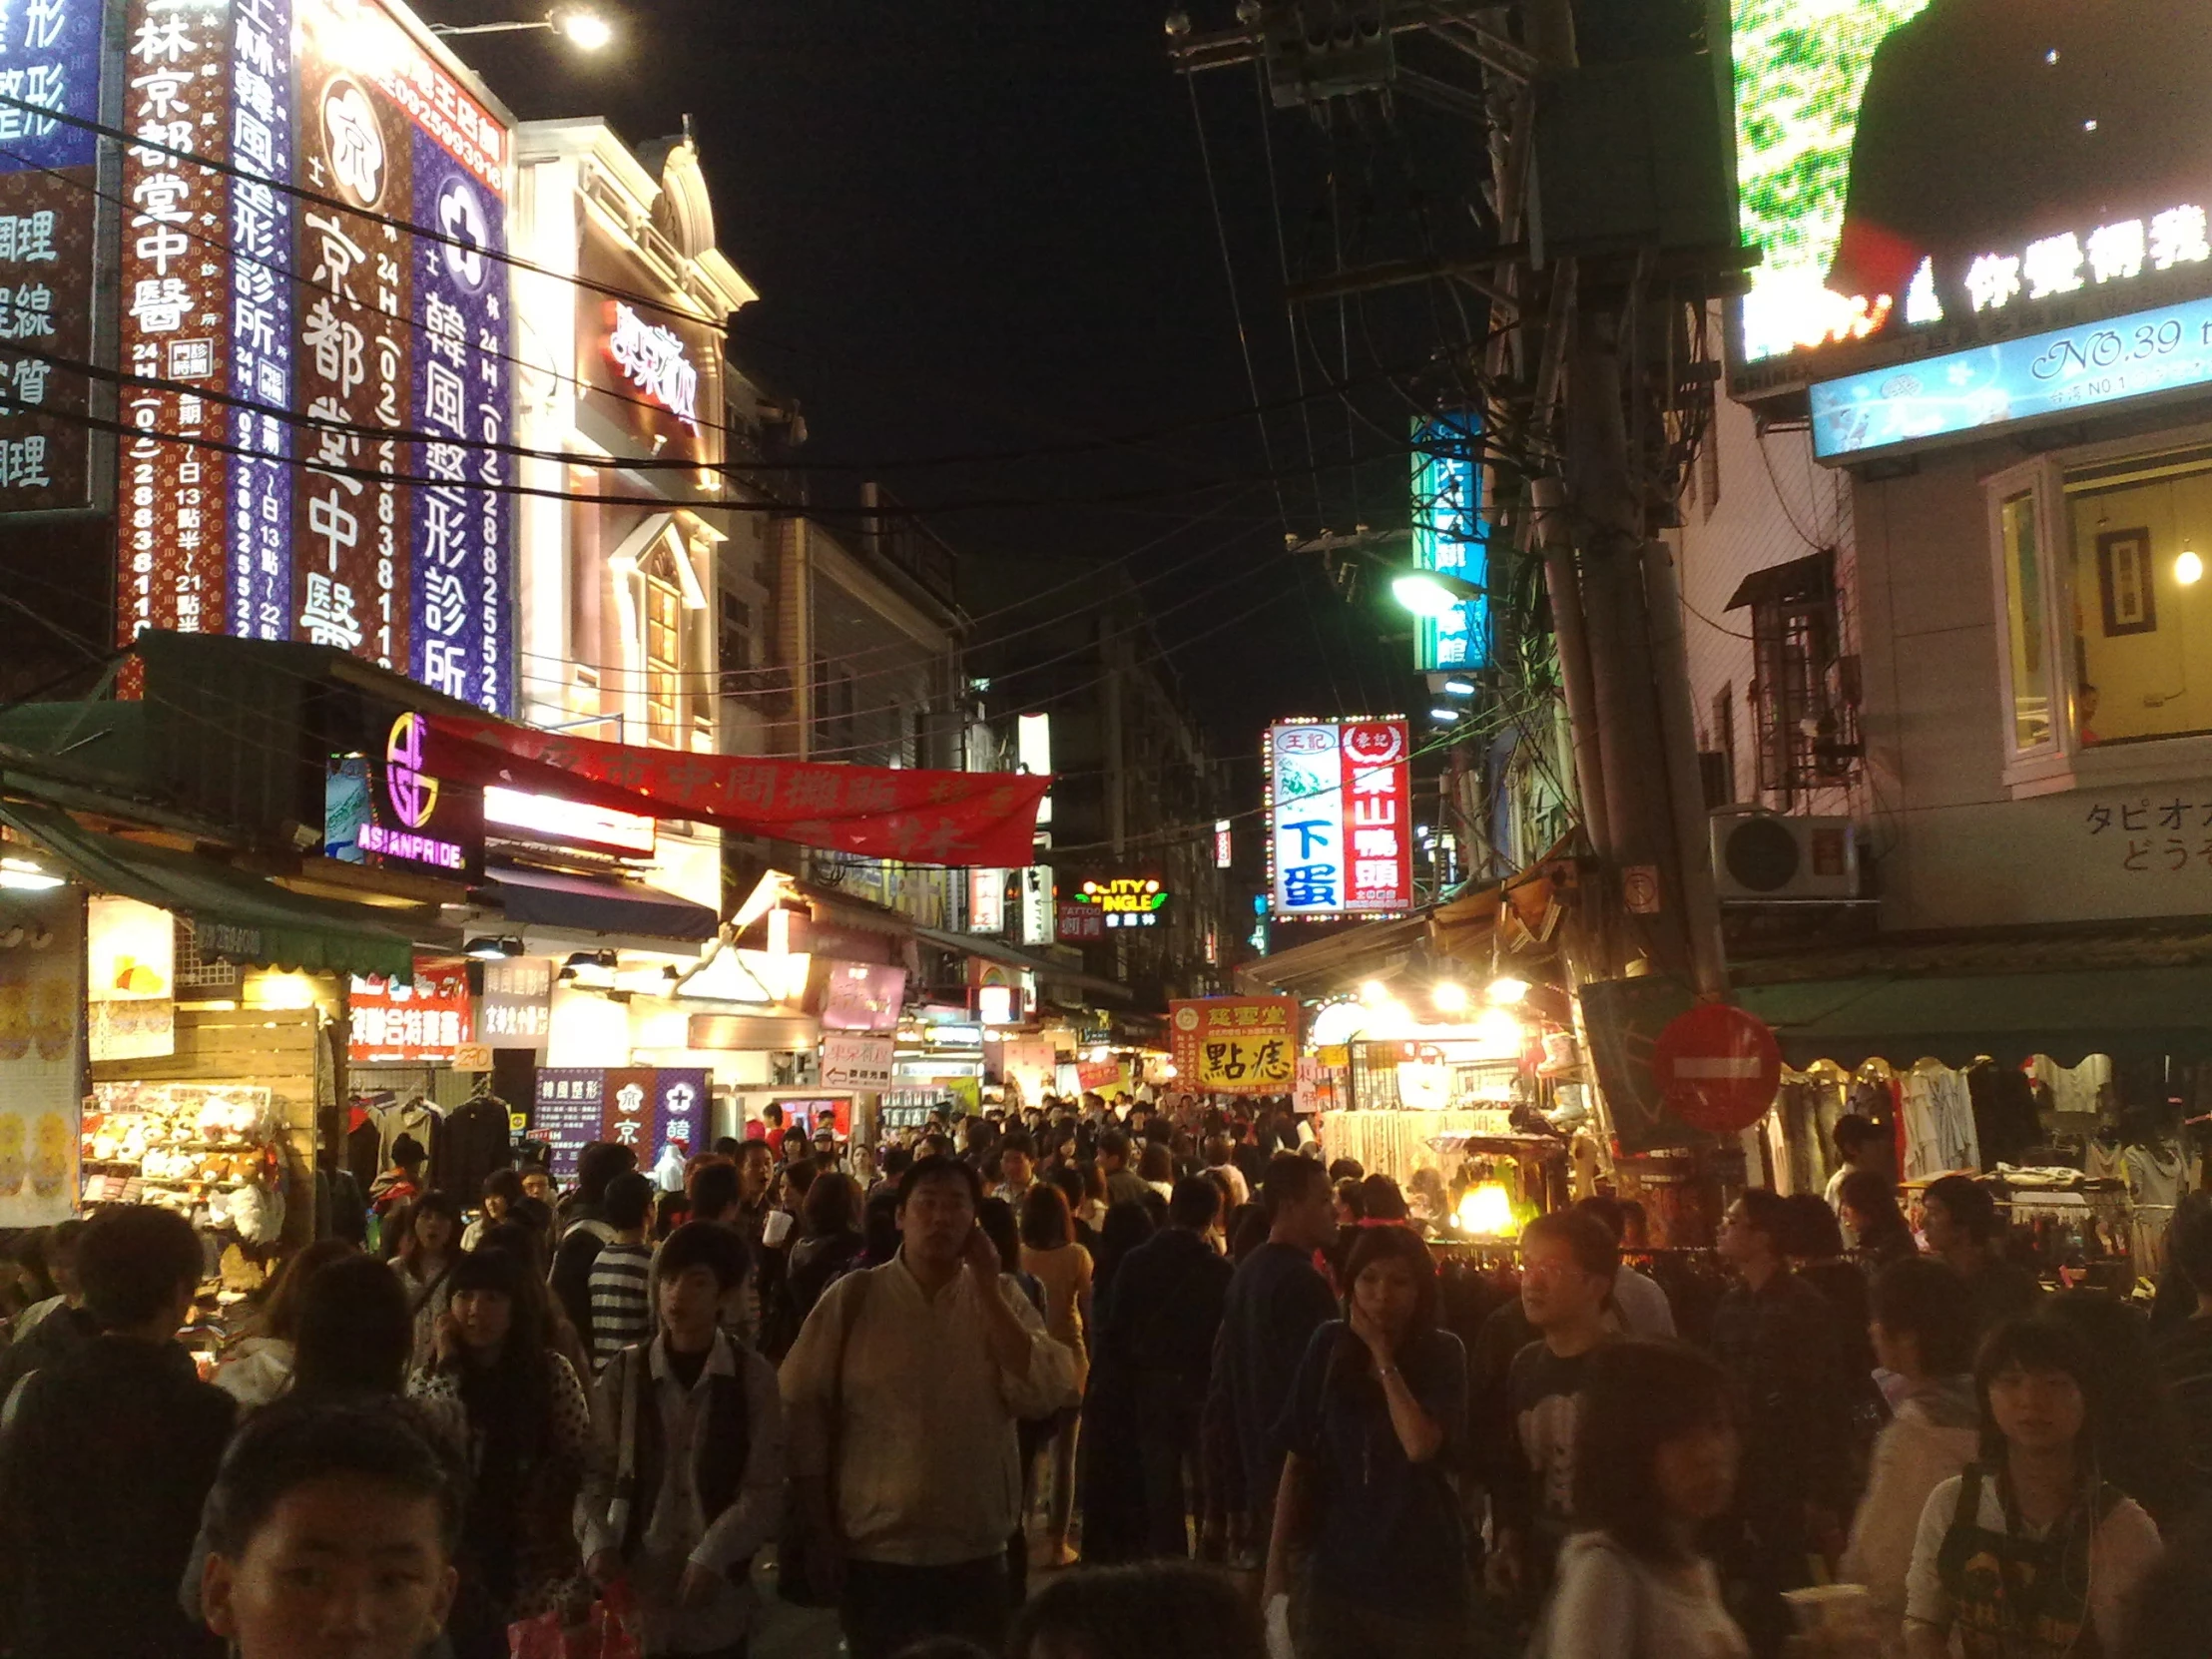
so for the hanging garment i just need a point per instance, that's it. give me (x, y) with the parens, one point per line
(2154, 1182)
(364, 1149)
(414, 1116)
(1939, 1122)
(475, 1143)
(2074, 1089)
(2104, 1159)
(2005, 1120)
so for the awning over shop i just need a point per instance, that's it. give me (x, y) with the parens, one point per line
(237, 916)
(599, 906)
(1374, 949)
(999, 950)
(2127, 1012)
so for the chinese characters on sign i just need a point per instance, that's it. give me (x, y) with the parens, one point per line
(373, 303)
(416, 1023)
(1124, 901)
(1339, 836)
(653, 360)
(1449, 536)
(517, 1004)
(2148, 835)
(857, 1062)
(646, 1108)
(1235, 1044)
(1074, 924)
(49, 208)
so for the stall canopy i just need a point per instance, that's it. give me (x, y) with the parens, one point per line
(236, 916)
(2126, 1012)
(1372, 950)
(584, 904)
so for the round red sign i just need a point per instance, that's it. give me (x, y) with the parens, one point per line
(1718, 1068)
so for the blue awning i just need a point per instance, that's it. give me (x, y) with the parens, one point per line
(598, 904)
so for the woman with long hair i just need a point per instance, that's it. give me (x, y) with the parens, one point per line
(2030, 1553)
(256, 1372)
(528, 1427)
(1376, 1413)
(1655, 1456)
(1063, 1267)
(429, 1235)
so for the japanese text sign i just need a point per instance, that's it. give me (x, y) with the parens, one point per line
(1920, 174)
(1235, 1044)
(646, 1108)
(2153, 836)
(411, 1021)
(857, 1062)
(1339, 803)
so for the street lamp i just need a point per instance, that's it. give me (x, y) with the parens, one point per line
(583, 27)
(1432, 593)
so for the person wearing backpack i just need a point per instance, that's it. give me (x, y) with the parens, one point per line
(685, 1478)
(585, 1231)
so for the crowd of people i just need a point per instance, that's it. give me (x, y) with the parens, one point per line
(1083, 1384)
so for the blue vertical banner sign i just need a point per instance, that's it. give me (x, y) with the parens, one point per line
(1451, 537)
(260, 318)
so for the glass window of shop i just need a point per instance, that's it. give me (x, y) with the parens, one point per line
(2100, 568)
(664, 646)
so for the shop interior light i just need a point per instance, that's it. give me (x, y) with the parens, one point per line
(1459, 688)
(1486, 1212)
(1375, 993)
(1505, 991)
(1444, 717)
(1498, 1028)
(23, 876)
(2189, 568)
(590, 969)
(493, 947)
(1432, 593)
(1449, 995)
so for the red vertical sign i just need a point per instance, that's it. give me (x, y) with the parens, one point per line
(1378, 804)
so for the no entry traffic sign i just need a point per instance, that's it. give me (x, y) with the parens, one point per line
(1718, 1068)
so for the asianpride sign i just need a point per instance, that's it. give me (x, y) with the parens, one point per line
(2040, 376)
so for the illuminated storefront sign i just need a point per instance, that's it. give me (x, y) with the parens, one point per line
(418, 1021)
(1450, 536)
(1124, 901)
(987, 900)
(386, 809)
(569, 823)
(1235, 1044)
(1340, 829)
(49, 215)
(1922, 165)
(653, 360)
(400, 552)
(1224, 846)
(2059, 373)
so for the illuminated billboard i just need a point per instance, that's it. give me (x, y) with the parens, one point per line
(1339, 818)
(368, 298)
(1926, 175)
(1451, 535)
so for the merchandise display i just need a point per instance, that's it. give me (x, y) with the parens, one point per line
(210, 1153)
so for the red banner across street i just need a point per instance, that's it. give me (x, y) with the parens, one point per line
(926, 818)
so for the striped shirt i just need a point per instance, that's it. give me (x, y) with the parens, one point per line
(621, 1299)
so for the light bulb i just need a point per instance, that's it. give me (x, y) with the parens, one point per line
(1506, 990)
(2189, 568)
(1449, 995)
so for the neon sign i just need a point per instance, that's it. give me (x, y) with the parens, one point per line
(413, 796)
(653, 360)
(1125, 900)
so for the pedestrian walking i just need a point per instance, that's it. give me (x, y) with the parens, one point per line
(107, 1457)
(1063, 1268)
(1377, 1413)
(259, 1368)
(527, 1423)
(901, 1394)
(685, 1479)
(621, 1274)
(1655, 1463)
(428, 1244)
(1960, 1219)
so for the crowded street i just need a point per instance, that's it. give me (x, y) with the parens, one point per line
(974, 829)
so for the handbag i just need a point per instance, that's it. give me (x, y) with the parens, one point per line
(794, 1579)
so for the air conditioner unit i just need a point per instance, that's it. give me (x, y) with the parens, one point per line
(1767, 856)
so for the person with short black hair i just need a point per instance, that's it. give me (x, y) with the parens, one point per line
(1640, 1306)
(107, 1456)
(502, 1188)
(1959, 1217)
(1155, 1353)
(585, 1231)
(1123, 1184)
(1923, 1330)
(1018, 1169)
(1568, 1263)
(1776, 1334)
(1377, 1413)
(1655, 1464)
(1867, 1204)
(47, 1332)
(621, 1274)
(2028, 1538)
(1862, 1144)
(333, 1530)
(684, 1480)
(907, 1494)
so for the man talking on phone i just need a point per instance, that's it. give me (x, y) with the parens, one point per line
(902, 1395)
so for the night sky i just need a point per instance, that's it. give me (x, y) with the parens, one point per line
(981, 228)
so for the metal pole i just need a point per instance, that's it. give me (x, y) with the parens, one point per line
(1671, 664)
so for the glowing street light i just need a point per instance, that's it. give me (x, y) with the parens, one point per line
(1432, 593)
(1457, 688)
(583, 27)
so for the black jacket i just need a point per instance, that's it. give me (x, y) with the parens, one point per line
(103, 1471)
(1779, 1342)
(1166, 1308)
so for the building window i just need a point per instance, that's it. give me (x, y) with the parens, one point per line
(1803, 697)
(734, 643)
(2027, 619)
(664, 648)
